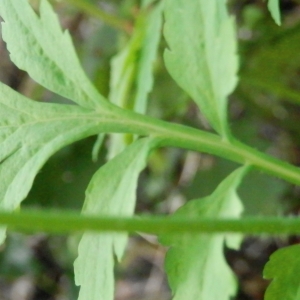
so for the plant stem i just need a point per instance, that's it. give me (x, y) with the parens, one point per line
(29, 221)
(98, 13)
(175, 135)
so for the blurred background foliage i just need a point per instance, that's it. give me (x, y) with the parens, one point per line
(264, 112)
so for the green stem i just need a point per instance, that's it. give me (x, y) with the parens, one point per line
(29, 221)
(175, 135)
(96, 12)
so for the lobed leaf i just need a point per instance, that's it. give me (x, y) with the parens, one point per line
(111, 192)
(202, 55)
(30, 132)
(39, 46)
(195, 264)
(283, 268)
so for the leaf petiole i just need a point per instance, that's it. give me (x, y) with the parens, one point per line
(176, 135)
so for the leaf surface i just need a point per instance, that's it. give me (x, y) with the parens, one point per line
(283, 267)
(273, 6)
(111, 192)
(30, 132)
(195, 264)
(202, 55)
(39, 46)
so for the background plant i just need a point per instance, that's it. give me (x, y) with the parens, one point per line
(205, 67)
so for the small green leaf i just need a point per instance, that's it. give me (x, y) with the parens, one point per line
(111, 192)
(283, 267)
(273, 6)
(123, 72)
(195, 264)
(30, 132)
(123, 68)
(39, 46)
(144, 81)
(97, 146)
(132, 70)
(202, 55)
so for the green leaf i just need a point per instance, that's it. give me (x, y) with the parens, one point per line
(30, 132)
(97, 146)
(123, 71)
(195, 264)
(123, 68)
(274, 8)
(202, 55)
(132, 70)
(144, 81)
(39, 46)
(283, 267)
(110, 193)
